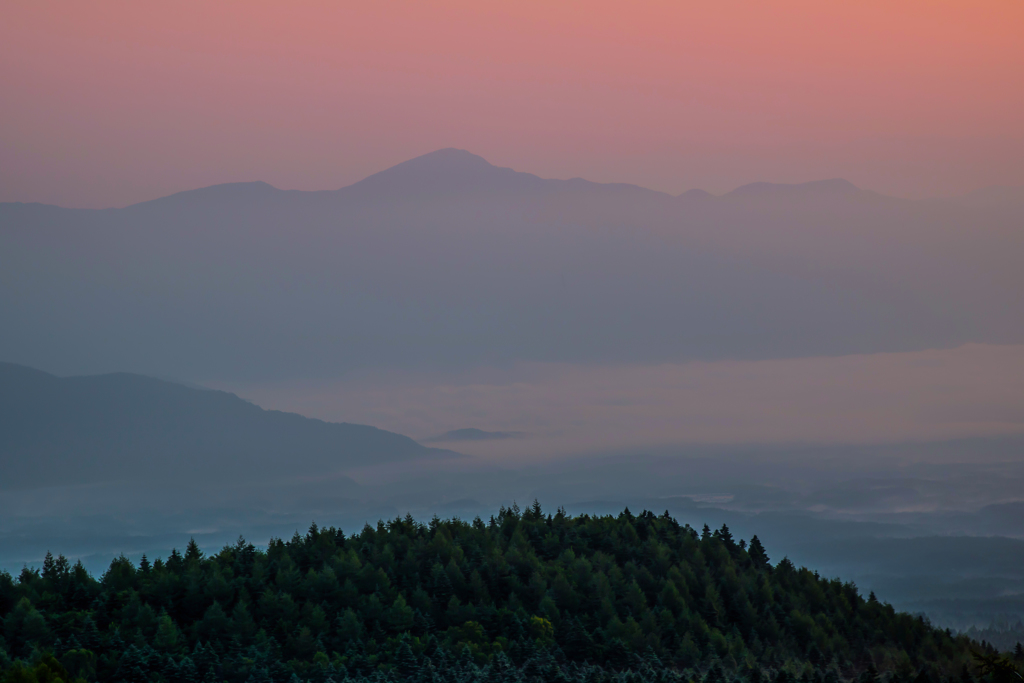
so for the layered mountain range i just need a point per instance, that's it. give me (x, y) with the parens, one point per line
(446, 260)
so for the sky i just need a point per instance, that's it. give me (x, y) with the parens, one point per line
(110, 103)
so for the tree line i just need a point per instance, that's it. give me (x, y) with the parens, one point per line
(524, 596)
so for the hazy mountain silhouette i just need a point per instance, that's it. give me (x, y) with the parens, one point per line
(819, 188)
(471, 434)
(123, 427)
(446, 260)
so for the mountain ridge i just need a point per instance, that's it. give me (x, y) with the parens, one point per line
(465, 168)
(127, 426)
(831, 186)
(446, 260)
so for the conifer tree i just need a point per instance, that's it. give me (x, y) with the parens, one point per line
(757, 554)
(192, 551)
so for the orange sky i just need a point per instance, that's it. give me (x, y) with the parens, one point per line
(107, 103)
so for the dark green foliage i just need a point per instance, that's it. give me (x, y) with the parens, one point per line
(522, 597)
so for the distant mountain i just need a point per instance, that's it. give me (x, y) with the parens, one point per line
(446, 260)
(471, 434)
(820, 188)
(122, 427)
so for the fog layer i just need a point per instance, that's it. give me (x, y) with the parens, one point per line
(563, 408)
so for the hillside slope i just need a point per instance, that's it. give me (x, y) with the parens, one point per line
(123, 427)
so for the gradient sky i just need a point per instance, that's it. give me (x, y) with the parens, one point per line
(108, 103)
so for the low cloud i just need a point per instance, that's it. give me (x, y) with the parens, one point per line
(973, 390)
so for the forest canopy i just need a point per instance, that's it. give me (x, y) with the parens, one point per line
(523, 596)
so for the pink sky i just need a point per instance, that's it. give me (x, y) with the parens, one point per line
(108, 103)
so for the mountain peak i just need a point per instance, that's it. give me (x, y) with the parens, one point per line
(448, 162)
(447, 158)
(444, 171)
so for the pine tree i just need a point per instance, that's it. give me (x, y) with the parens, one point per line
(167, 636)
(48, 566)
(175, 563)
(400, 616)
(192, 551)
(758, 556)
(725, 536)
(260, 676)
(187, 671)
(405, 660)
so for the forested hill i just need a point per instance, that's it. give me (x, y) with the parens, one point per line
(525, 596)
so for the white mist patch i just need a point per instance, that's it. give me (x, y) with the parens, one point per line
(973, 390)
